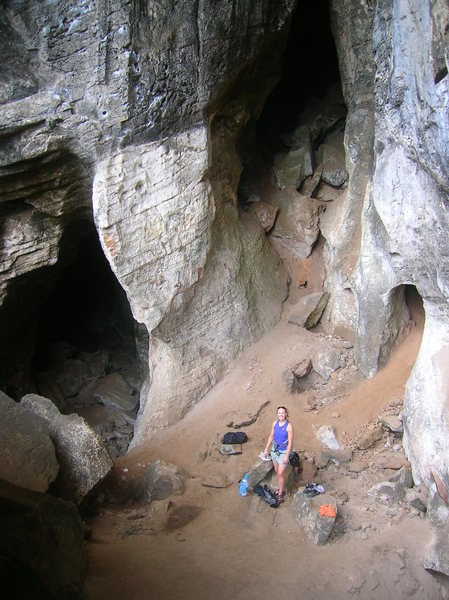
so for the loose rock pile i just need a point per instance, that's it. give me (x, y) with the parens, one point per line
(103, 386)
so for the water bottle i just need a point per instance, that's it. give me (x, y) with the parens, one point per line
(243, 485)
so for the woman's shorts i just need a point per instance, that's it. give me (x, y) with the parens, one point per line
(278, 457)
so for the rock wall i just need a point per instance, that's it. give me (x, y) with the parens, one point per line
(120, 112)
(129, 114)
(404, 215)
(410, 197)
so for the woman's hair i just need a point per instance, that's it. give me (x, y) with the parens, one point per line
(283, 407)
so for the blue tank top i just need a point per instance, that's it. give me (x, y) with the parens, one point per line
(280, 436)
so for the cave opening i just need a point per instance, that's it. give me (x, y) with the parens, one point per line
(87, 307)
(310, 71)
(307, 96)
(415, 305)
(293, 155)
(405, 315)
(85, 357)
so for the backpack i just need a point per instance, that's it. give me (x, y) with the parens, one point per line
(266, 494)
(234, 437)
(294, 459)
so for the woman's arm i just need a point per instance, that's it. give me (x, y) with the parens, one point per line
(289, 444)
(270, 439)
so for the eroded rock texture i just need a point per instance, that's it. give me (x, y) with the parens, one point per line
(128, 113)
(131, 115)
(394, 74)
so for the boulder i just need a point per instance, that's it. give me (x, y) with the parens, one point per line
(259, 471)
(292, 376)
(370, 437)
(41, 543)
(303, 368)
(289, 381)
(326, 435)
(404, 476)
(264, 213)
(307, 512)
(48, 388)
(82, 456)
(310, 184)
(338, 456)
(291, 168)
(70, 376)
(392, 423)
(387, 491)
(158, 514)
(309, 310)
(319, 116)
(27, 454)
(332, 156)
(96, 362)
(161, 480)
(326, 361)
(395, 463)
(113, 391)
(297, 224)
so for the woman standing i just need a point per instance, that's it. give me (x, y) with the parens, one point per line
(281, 438)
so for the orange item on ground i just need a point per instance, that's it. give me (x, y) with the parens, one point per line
(327, 510)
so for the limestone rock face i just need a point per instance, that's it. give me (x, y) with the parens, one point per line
(129, 114)
(154, 210)
(396, 90)
(27, 454)
(83, 458)
(118, 115)
(410, 187)
(352, 25)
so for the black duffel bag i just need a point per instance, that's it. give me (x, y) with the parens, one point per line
(234, 437)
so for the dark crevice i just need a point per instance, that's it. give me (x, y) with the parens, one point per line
(310, 81)
(310, 67)
(440, 75)
(67, 328)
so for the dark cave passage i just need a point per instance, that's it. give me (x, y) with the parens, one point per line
(415, 304)
(305, 109)
(405, 312)
(87, 307)
(293, 156)
(310, 69)
(85, 353)
(70, 336)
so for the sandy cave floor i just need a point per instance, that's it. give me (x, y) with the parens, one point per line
(211, 543)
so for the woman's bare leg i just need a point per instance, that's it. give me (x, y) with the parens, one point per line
(280, 475)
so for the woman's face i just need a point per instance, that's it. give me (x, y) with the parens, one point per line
(282, 414)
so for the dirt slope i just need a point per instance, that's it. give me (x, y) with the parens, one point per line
(210, 543)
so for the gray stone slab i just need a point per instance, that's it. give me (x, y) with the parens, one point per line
(82, 455)
(309, 309)
(27, 454)
(307, 512)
